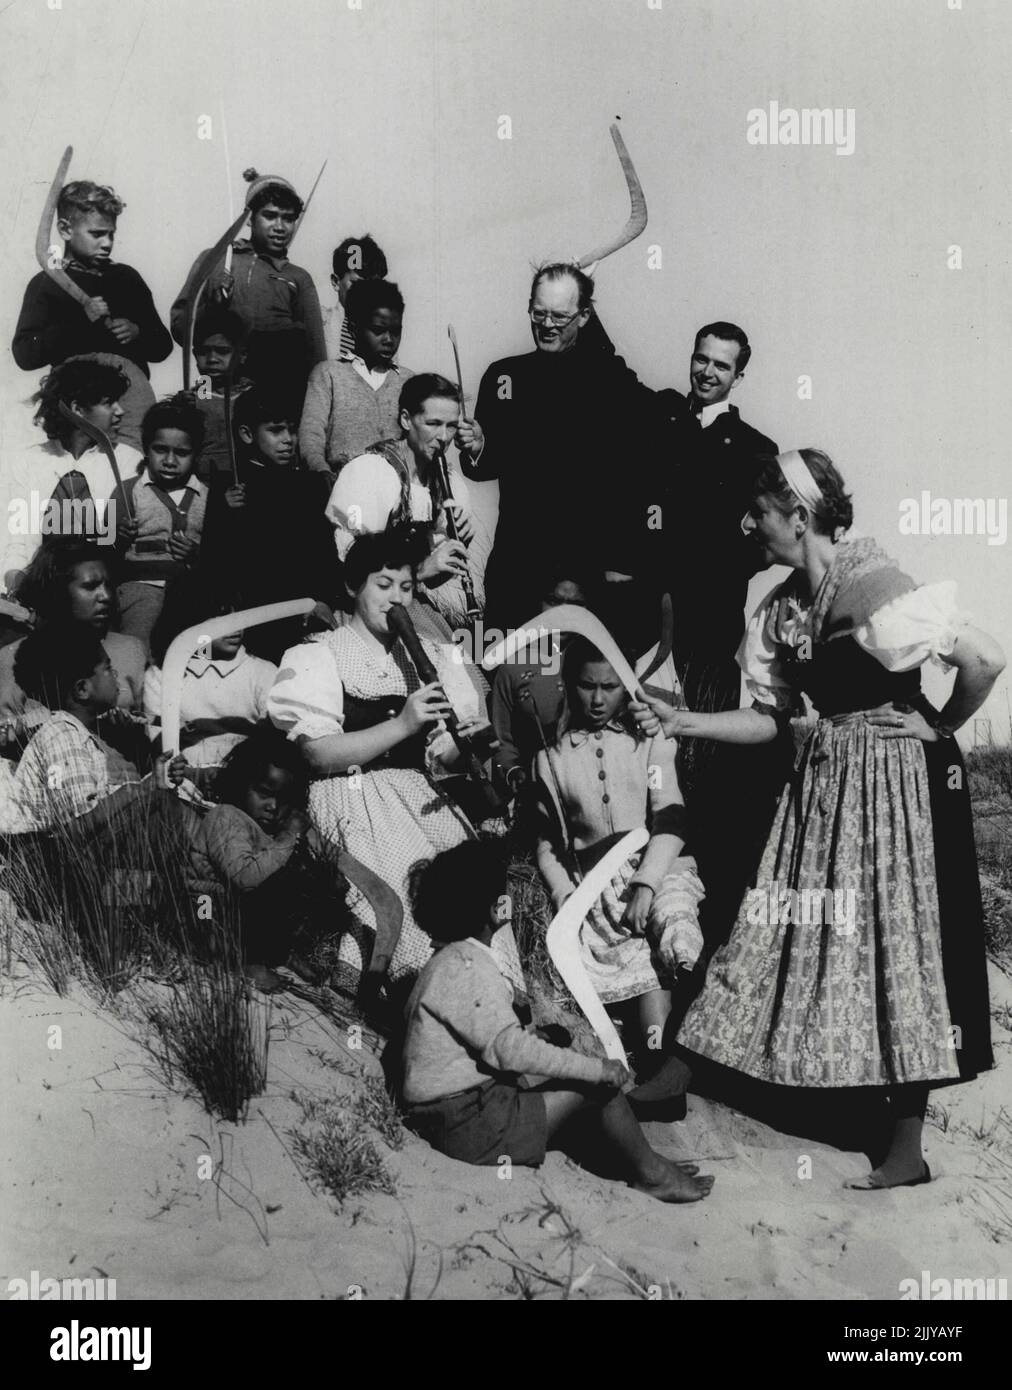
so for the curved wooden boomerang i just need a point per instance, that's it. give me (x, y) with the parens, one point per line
(389, 912)
(563, 940)
(637, 207)
(567, 617)
(43, 237)
(195, 282)
(183, 647)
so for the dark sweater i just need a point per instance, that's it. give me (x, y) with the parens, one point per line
(278, 546)
(53, 327)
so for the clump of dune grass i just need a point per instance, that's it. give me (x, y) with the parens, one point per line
(990, 777)
(89, 908)
(114, 912)
(337, 1152)
(206, 1027)
(375, 1107)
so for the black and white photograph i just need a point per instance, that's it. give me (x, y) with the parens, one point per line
(505, 732)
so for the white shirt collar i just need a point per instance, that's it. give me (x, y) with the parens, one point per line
(370, 375)
(193, 483)
(480, 945)
(224, 666)
(709, 413)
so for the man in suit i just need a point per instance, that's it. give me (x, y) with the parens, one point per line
(704, 463)
(703, 471)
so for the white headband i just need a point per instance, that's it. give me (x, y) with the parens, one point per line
(799, 479)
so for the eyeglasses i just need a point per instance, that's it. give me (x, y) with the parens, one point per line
(543, 316)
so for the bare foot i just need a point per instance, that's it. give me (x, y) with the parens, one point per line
(671, 1080)
(898, 1173)
(672, 1183)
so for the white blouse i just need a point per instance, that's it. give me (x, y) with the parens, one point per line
(368, 491)
(307, 698)
(915, 627)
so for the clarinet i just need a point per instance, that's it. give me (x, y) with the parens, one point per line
(400, 622)
(443, 475)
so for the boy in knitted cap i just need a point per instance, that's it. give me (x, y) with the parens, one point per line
(276, 300)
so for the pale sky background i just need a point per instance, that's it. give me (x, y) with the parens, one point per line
(836, 266)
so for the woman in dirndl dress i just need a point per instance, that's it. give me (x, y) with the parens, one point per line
(858, 959)
(371, 736)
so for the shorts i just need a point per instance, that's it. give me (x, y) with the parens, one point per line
(495, 1120)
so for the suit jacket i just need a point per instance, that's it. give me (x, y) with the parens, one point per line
(702, 480)
(557, 439)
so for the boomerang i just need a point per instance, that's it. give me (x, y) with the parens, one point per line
(43, 238)
(98, 436)
(183, 647)
(563, 940)
(637, 207)
(567, 617)
(195, 283)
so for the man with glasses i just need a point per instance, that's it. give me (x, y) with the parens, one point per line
(552, 425)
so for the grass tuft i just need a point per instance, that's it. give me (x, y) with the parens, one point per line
(337, 1153)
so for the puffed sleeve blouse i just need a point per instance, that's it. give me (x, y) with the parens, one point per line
(918, 626)
(307, 698)
(367, 492)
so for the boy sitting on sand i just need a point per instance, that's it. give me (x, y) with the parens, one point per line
(469, 1065)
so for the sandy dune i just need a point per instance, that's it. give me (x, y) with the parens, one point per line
(100, 1163)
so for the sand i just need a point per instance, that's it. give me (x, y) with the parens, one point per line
(106, 1171)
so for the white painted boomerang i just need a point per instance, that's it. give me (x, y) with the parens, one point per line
(183, 647)
(567, 617)
(563, 940)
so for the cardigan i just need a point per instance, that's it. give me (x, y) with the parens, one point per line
(343, 415)
(610, 782)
